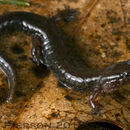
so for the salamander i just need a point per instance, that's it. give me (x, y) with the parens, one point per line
(52, 47)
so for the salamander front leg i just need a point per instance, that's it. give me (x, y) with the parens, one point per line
(93, 103)
(36, 51)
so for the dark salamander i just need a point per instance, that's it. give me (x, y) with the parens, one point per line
(52, 48)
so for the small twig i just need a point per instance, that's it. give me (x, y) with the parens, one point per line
(124, 13)
(89, 7)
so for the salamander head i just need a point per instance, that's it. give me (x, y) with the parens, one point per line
(116, 76)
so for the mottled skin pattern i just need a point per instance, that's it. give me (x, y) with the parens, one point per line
(52, 48)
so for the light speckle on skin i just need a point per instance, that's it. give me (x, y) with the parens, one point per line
(68, 76)
(46, 41)
(92, 79)
(49, 52)
(5, 23)
(62, 71)
(79, 79)
(47, 47)
(73, 78)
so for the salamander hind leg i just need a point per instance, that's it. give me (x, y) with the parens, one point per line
(92, 99)
(36, 51)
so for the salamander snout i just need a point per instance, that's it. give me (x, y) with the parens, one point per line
(120, 76)
(114, 82)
